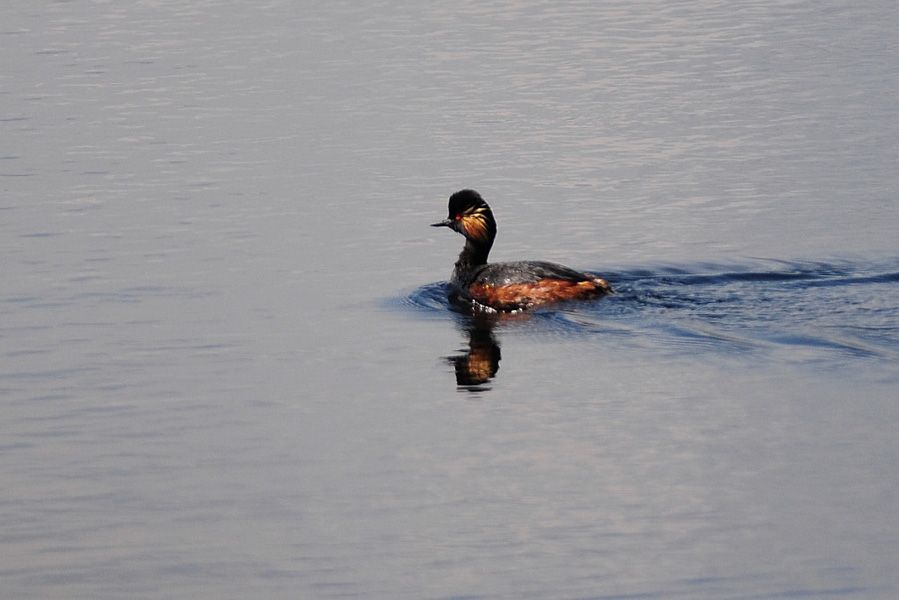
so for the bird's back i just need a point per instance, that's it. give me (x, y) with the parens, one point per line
(523, 284)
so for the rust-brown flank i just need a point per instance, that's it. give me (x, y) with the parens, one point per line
(526, 295)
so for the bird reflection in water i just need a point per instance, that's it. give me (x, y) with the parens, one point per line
(477, 364)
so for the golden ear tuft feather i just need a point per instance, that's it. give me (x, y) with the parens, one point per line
(476, 227)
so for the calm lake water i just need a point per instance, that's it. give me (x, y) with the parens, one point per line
(229, 369)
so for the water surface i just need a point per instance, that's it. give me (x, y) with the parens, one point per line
(229, 369)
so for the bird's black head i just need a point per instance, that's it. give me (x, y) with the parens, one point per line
(470, 216)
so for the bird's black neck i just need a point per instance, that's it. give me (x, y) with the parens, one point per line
(473, 255)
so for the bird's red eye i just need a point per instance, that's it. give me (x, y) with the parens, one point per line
(458, 217)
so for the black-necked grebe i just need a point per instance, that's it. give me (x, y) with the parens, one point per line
(508, 286)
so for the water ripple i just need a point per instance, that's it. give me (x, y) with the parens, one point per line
(803, 309)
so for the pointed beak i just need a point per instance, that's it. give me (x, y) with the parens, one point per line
(443, 223)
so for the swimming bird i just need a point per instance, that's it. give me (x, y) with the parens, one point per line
(506, 286)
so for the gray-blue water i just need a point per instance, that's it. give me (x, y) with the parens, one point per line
(229, 368)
